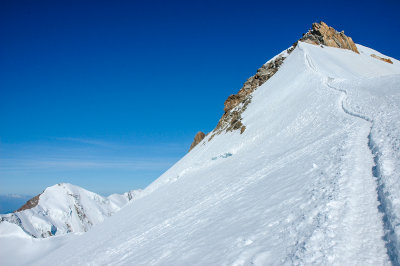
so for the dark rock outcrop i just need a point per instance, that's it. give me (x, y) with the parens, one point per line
(197, 139)
(33, 202)
(236, 104)
(387, 60)
(320, 33)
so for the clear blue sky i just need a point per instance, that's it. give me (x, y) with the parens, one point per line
(109, 94)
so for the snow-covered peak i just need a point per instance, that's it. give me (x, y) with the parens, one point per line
(313, 179)
(297, 187)
(65, 208)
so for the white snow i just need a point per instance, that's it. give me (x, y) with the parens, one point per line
(18, 248)
(11, 230)
(65, 208)
(299, 186)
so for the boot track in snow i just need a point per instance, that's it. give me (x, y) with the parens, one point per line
(390, 238)
(384, 204)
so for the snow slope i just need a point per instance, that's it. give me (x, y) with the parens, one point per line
(313, 179)
(65, 208)
(18, 248)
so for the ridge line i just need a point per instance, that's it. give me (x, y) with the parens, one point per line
(389, 237)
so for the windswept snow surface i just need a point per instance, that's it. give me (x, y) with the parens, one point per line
(314, 179)
(18, 248)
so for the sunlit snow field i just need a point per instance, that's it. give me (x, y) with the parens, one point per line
(299, 186)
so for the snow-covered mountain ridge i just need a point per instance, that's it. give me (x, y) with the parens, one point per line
(236, 104)
(312, 180)
(65, 208)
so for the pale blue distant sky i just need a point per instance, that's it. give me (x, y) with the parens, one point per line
(97, 165)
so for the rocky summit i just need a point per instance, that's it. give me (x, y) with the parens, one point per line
(322, 34)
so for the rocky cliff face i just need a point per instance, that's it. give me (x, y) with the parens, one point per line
(197, 139)
(320, 33)
(236, 104)
(33, 202)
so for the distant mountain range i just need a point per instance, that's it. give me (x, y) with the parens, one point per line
(65, 208)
